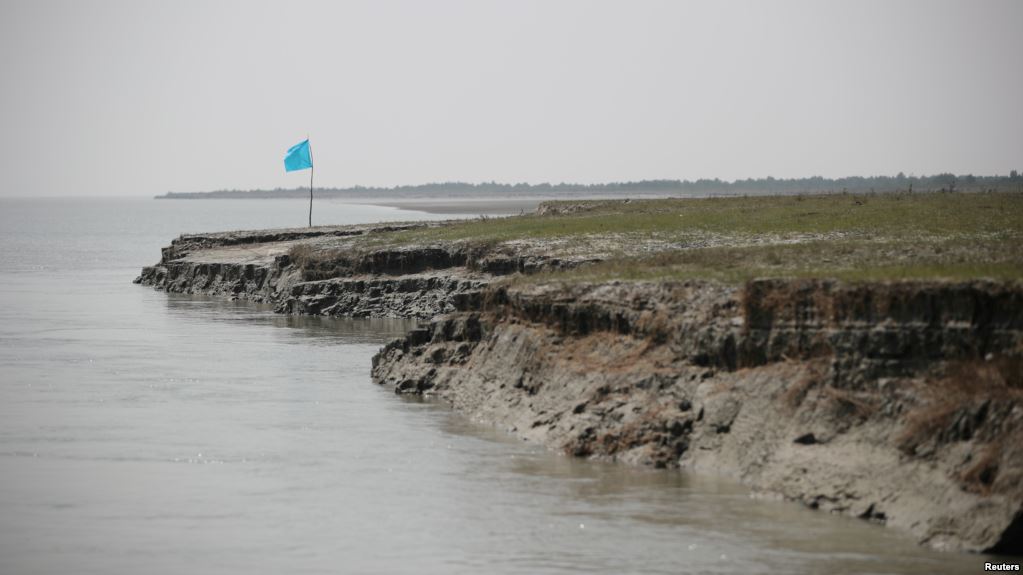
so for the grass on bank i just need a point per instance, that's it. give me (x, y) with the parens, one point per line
(895, 215)
(848, 260)
(845, 236)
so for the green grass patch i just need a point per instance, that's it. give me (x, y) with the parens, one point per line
(851, 260)
(890, 215)
(856, 237)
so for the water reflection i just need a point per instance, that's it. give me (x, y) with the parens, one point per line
(144, 423)
(198, 308)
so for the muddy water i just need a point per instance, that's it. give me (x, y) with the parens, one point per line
(146, 432)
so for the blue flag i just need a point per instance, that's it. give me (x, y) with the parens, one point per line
(298, 157)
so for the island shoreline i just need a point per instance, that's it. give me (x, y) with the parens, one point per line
(820, 391)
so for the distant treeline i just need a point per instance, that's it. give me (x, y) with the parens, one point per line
(768, 185)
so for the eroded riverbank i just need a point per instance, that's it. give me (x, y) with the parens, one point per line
(897, 402)
(845, 398)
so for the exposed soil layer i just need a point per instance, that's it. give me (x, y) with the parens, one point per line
(322, 271)
(897, 402)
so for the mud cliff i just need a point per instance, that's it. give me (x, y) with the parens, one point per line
(899, 403)
(317, 272)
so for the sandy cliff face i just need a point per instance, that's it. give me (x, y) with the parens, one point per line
(898, 403)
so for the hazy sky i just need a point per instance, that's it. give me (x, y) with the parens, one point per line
(140, 98)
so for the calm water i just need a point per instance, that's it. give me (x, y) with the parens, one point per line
(142, 432)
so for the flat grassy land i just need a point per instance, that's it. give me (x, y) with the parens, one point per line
(846, 236)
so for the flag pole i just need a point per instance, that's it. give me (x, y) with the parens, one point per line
(311, 169)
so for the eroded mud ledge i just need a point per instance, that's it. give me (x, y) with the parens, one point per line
(887, 401)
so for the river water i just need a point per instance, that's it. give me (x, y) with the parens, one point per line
(142, 432)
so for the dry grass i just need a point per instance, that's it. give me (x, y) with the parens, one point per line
(964, 386)
(608, 352)
(847, 400)
(301, 255)
(795, 393)
(314, 263)
(980, 477)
